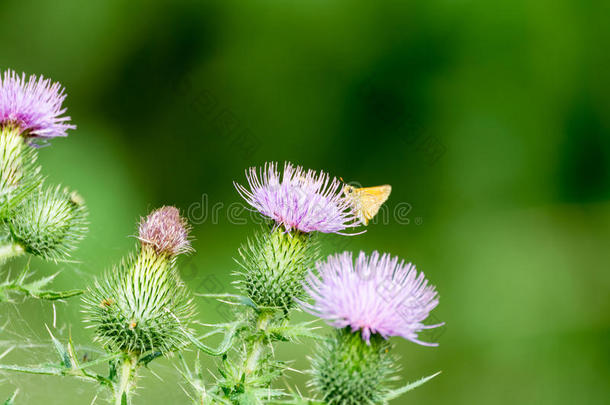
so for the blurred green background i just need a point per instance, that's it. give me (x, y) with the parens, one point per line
(490, 120)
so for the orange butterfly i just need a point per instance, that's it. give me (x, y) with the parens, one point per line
(366, 201)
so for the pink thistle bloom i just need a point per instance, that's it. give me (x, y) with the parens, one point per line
(166, 231)
(376, 295)
(34, 107)
(302, 200)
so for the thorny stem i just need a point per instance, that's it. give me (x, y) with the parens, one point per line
(10, 250)
(126, 382)
(253, 358)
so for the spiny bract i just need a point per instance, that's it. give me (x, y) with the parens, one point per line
(19, 173)
(347, 371)
(274, 264)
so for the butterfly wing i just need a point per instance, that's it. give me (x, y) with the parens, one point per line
(370, 200)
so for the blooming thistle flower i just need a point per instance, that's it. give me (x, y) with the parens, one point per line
(379, 297)
(165, 231)
(376, 295)
(34, 107)
(300, 200)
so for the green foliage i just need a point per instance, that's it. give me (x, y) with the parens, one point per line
(11, 399)
(250, 367)
(68, 364)
(230, 331)
(33, 288)
(274, 264)
(247, 370)
(195, 389)
(348, 371)
(141, 306)
(411, 386)
(49, 223)
(295, 333)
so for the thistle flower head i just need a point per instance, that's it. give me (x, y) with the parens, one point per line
(376, 295)
(298, 200)
(165, 231)
(33, 106)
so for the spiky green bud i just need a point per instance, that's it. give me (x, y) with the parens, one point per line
(274, 264)
(140, 306)
(348, 371)
(49, 223)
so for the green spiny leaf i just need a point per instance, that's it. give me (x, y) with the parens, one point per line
(398, 392)
(64, 356)
(33, 289)
(149, 357)
(224, 346)
(11, 400)
(294, 333)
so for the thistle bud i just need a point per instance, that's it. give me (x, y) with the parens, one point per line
(49, 223)
(348, 371)
(274, 265)
(142, 306)
(165, 231)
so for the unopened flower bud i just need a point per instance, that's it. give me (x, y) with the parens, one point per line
(165, 231)
(49, 223)
(142, 306)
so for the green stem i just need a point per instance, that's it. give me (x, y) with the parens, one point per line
(10, 250)
(258, 346)
(126, 383)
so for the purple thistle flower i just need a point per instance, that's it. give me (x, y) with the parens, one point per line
(302, 200)
(166, 231)
(34, 106)
(376, 295)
